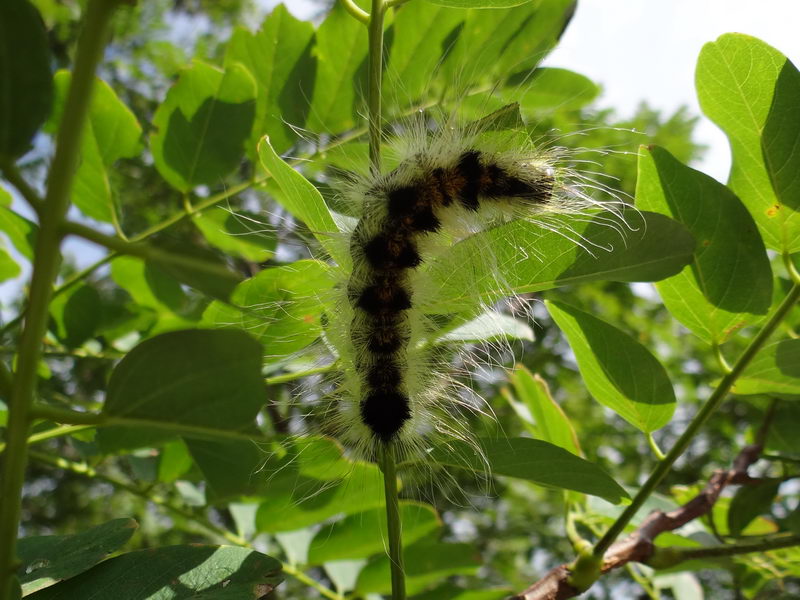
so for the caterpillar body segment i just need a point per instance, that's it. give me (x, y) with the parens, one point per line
(397, 390)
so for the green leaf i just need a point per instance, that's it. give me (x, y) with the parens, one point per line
(361, 535)
(20, 231)
(9, 269)
(148, 284)
(199, 267)
(425, 564)
(548, 89)
(749, 502)
(729, 284)
(775, 370)
(494, 43)
(111, 132)
(174, 461)
(77, 314)
(279, 57)
(238, 233)
(420, 37)
(203, 124)
(195, 572)
(551, 423)
(48, 559)
(533, 460)
(302, 200)
(206, 380)
(341, 52)
(490, 325)
(618, 371)
(300, 501)
(783, 436)
(521, 257)
(25, 76)
(282, 307)
(750, 89)
(552, 88)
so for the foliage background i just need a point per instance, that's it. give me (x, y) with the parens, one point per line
(518, 530)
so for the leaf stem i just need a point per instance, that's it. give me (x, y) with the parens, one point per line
(45, 268)
(15, 178)
(356, 11)
(72, 417)
(393, 524)
(654, 446)
(147, 252)
(713, 402)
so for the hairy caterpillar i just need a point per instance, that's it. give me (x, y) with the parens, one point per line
(450, 183)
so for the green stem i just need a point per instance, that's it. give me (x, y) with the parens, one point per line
(393, 524)
(15, 178)
(356, 11)
(375, 78)
(72, 417)
(148, 495)
(697, 422)
(45, 268)
(147, 252)
(298, 374)
(669, 556)
(654, 446)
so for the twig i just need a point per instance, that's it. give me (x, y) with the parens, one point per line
(640, 546)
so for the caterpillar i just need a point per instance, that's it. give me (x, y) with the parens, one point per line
(450, 184)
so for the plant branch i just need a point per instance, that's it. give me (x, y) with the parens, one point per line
(639, 546)
(147, 252)
(45, 268)
(15, 178)
(203, 523)
(72, 417)
(711, 405)
(670, 555)
(393, 524)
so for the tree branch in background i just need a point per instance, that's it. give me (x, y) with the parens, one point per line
(640, 546)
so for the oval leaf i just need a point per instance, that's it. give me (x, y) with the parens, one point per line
(111, 132)
(618, 371)
(25, 76)
(279, 57)
(532, 460)
(550, 422)
(729, 284)
(749, 502)
(282, 307)
(774, 370)
(522, 257)
(425, 563)
(203, 124)
(362, 534)
(203, 379)
(750, 90)
(193, 572)
(302, 200)
(48, 559)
